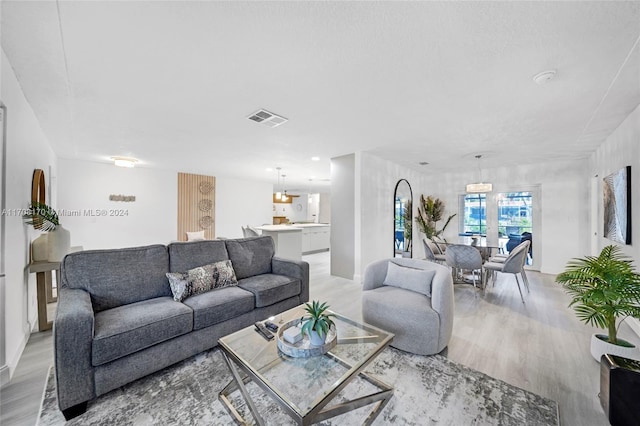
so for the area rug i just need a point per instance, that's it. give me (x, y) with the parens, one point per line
(429, 390)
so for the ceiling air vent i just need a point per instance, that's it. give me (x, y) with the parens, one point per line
(267, 118)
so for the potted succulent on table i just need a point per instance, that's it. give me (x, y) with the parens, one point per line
(318, 323)
(604, 289)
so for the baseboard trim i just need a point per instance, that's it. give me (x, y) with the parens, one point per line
(15, 359)
(5, 376)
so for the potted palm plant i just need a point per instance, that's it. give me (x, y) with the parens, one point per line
(317, 324)
(430, 211)
(604, 289)
(44, 218)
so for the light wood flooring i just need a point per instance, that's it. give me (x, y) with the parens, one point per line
(539, 346)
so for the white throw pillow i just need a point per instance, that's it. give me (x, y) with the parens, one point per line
(413, 279)
(195, 236)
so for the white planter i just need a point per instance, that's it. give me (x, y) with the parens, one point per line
(316, 339)
(599, 347)
(58, 243)
(40, 249)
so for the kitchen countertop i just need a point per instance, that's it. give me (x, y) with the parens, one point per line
(291, 228)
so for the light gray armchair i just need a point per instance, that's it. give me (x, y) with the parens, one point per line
(422, 323)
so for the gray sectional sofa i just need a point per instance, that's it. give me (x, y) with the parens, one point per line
(117, 321)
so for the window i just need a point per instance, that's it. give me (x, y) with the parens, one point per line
(399, 224)
(475, 214)
(515, 212)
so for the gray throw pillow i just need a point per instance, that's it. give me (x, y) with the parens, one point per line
(418, 280)
(201, 279)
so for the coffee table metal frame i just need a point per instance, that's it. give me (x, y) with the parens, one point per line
(318, 412)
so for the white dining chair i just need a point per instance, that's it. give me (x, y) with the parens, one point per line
(465, 258)
(501, 258)
(513, 264)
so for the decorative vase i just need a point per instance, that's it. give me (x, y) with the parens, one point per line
(40, 249)
(599, 347)
(316, 339)
(58, 244)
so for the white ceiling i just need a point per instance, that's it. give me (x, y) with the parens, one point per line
(172, 83)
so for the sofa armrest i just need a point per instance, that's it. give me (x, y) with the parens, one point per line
(296, 269)
(442, 301)
(72, 340)
(374, 274)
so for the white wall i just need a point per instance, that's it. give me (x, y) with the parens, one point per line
(564, 207)
(241, 203)
(84, 189)
(152, 218)
(622, 148)
(343, 228)
(564, 194)
(378, 179)
(324, 207)
(292, 211)
(27, 149)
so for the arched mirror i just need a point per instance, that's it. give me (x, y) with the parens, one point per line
(402, 219)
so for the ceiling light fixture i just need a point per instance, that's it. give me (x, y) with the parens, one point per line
(124, 161)
(480, 187)
(315, 158)
(544, 76)
(284, 194)
(278, 193)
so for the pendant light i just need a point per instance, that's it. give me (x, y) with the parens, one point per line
(278, 193)
(479, 187)
(284, 195)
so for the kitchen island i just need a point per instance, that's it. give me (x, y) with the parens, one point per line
(292, 241)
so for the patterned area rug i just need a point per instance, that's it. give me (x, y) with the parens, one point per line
(428, 391)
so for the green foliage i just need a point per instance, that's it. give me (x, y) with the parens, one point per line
(603, 289)
(317, 320)
(430, 211)
(408, 212)
(42, 217)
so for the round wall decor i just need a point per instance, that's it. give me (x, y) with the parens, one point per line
(205, 205)
(205, 222)
(205, 187)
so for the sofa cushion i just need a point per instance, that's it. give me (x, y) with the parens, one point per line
(251, 256)
(201, 279)
(185, 256)
(413, 279)
(119, 276)
(127, 329)
(270, 288)
(219, 305)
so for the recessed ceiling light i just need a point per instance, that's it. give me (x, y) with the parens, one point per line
(544, 76)
(269, 169)
(124, 161)
(315, 158)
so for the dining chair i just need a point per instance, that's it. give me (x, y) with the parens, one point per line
(501, 258)
(465, 258)
(513, 264)
(249, 232)
(432, 253)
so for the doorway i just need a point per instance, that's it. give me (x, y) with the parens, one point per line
(505, 218)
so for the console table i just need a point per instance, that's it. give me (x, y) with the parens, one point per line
(44, 287)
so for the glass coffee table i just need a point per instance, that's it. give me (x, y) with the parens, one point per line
(304, 387)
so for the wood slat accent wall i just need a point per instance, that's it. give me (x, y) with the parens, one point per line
(196, 205)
